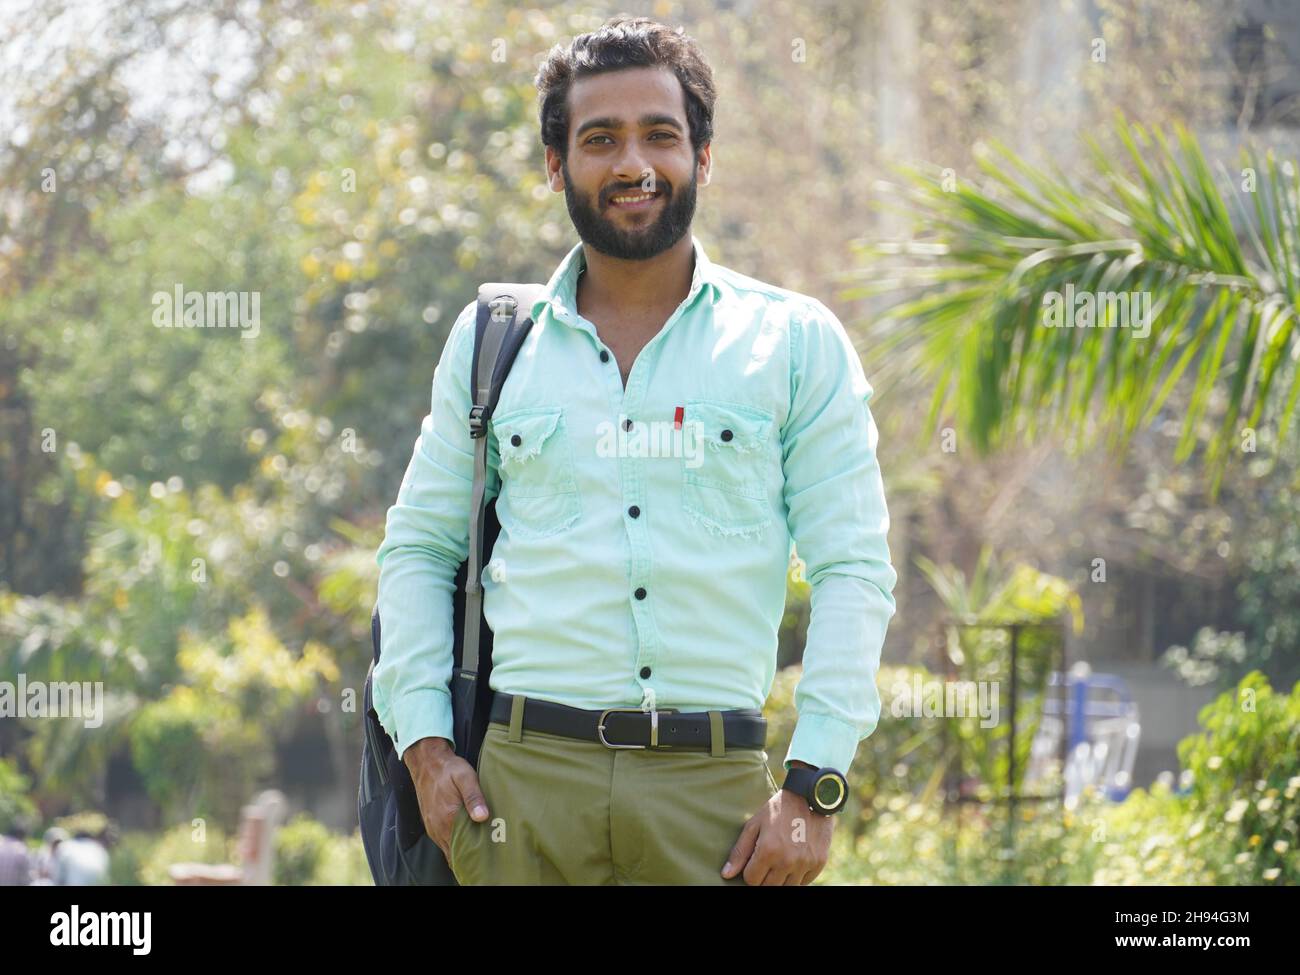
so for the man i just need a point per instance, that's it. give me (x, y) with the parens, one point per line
(47, 858)
(81, 861)
(668, 429)
(15, 860)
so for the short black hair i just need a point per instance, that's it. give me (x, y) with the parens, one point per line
(625, 42)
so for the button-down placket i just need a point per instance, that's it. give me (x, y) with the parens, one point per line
(632, 469)
(627, 403)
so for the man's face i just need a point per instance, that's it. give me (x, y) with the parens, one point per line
(629, 137)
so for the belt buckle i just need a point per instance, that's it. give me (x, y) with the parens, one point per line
(654, 726)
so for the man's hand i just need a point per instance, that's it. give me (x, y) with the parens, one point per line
(443, 783)
(785, 844)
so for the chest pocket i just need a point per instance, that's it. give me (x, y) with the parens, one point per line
(725, 475)
(539, 495)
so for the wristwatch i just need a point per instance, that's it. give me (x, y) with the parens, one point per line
(824, 789)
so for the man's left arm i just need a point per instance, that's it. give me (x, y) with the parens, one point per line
(839, 521)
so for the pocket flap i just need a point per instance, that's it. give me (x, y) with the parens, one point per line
(730, 425)
(521, 434)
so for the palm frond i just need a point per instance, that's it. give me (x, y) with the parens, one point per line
(965, 300)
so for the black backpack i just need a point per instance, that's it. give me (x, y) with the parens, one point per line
(398, 849)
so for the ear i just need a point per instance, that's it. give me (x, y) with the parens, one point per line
(554, 174)
(704, 163)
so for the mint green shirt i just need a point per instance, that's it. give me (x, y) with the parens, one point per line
(647, 566)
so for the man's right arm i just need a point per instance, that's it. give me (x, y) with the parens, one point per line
(425, 541)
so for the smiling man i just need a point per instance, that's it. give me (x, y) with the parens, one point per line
(638, 594)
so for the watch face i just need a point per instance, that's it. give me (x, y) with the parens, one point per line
(829, 791)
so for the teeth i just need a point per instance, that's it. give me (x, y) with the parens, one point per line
(633, 199)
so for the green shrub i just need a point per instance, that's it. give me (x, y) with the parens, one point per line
(184, 844)
(16, 806)
(127, 858)
(1245, 769)
(344, 863)
(307, 853)
(300, 849)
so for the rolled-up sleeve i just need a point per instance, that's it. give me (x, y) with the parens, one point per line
(837, 516)
(425, 541)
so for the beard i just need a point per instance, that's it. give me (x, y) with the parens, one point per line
(639, 243)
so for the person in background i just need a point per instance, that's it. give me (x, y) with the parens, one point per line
(47, 858)
(15, 861)
(81, 862)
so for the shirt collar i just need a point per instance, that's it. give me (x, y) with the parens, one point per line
(562, 292)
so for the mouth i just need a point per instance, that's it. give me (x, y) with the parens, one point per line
(634, 200)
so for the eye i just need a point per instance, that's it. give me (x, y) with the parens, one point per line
(667, 135)
(595, 137)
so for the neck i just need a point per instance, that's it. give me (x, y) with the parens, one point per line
(662, 280)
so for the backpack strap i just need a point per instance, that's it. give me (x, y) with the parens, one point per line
(504, 318)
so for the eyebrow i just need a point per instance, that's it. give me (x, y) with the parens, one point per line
(609, 122)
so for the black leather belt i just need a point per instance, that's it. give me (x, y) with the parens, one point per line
(635, 728)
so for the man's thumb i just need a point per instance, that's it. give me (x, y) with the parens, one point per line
(472, 796)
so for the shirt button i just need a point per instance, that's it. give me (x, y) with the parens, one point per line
(627, 424)
(640, 592)
(645, 672)
(634, 511)
(726, 435)
(516, 440)
(604, 356)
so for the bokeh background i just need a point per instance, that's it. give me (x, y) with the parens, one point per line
(190, 515)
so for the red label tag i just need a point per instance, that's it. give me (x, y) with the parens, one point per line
(677, 417)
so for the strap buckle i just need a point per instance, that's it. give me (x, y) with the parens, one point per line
(478, 417)
(654, 725)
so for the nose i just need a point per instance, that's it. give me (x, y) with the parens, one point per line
(631, 166)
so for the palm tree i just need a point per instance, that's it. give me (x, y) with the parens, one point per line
(1149, 220)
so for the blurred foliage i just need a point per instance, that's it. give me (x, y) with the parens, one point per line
(209, 742)
(977, 636)
(299, 849)
(17, 810)
(1213, 657)
(1267, 591)
(91, 822)
(128, 857)
(308, 854)
(1246, 776)
(1239, 822)
(184, 843)
(1270, 587)
(1153, 219)
(190, 515)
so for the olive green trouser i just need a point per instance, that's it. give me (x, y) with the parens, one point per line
(565, 811)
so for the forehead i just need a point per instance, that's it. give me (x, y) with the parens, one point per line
(627, 94)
